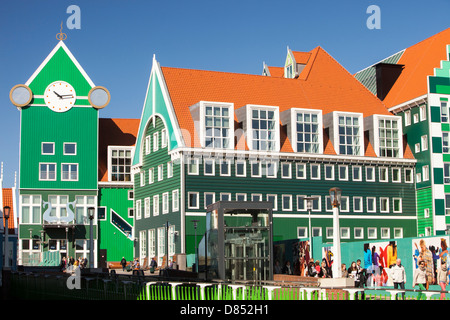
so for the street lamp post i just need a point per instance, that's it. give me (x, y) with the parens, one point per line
(335, 197)
(91, 211)
(195, 222)
(6, 211)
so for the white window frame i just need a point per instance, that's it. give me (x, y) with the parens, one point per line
(147, 145)
(156, 205)
(151, 243)
(255, 162)
(31, 205)
(407, 118)
(372, 233)
(289, 168)
(360, 135)
(165, 203)
(301, 200)
(118, 149)
(239, 194)
(227, 164)
(213, 194)
(361, 205)
(170, 169)
(138, 209)
(373, 174)
(213, 167)
(289, 197)
(297, 171)
(275, 202)
(163, 138)
(382, 170)
(359, 169)
(345, 167)
(325, 166)
(147, 207)
(426, 172)
(256, 196)
(83, 204)
(196, 194)
(155, 141)
(142, 178)
(311, 171)
(276, 129)
(400, 230)
(345, 233)
(424, 142)
(244, 166)
(151, 175)
(227, 194)
(423, 112)
(70, 171)
(202, 110)
(304, 231)
(399, 171)
(64, 149)
(411, 180)
(275, 169)
(47, 154)
(347, 200)
(319, 202)
(385, 233)
(47, 164)
(292, 128)
(386, 201)
(400, 205)
(193, 163)
(374, 204)
(361, 236)
(175, 200)
(161, 172)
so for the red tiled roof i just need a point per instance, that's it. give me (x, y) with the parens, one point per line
(114, 132)
(301, 57)
(323, 84)
(276, 72)
(8, 201)
(419, 61)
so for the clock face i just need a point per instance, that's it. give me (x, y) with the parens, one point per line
(60, 96)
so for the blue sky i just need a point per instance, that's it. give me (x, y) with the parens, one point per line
(117, 40)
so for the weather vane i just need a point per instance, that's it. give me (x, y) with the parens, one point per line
(61, 36)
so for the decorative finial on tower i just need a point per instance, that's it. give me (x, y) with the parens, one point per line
(61, 36)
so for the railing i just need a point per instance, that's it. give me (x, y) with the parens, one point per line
(137, 287)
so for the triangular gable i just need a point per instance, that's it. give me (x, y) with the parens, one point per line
(157, 103)
(60, 64)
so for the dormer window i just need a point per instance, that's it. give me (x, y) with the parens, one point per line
(385, 135)
(261, 124)
(304, 128)
(346, 132)
(215, 124)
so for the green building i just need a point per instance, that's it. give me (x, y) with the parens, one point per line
(414, 83)
(61, 163)
(293, 132)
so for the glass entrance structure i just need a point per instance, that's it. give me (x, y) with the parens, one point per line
(238, 241)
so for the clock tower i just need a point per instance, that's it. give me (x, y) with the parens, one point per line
(59, 106)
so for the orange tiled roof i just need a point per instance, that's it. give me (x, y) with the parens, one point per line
(276, 72)
(323, 84)
(301, 57)
(114, 132)
(420, 61)
(8, 201)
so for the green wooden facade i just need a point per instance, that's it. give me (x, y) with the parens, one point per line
(190, 182)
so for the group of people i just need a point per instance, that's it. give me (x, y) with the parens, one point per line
(136, 265)
(71, 264)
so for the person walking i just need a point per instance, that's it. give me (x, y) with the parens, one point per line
(420, 279)
(123, 262)
(442, 278)
(399, 277)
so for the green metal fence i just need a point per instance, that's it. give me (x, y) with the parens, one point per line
(37, 286)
